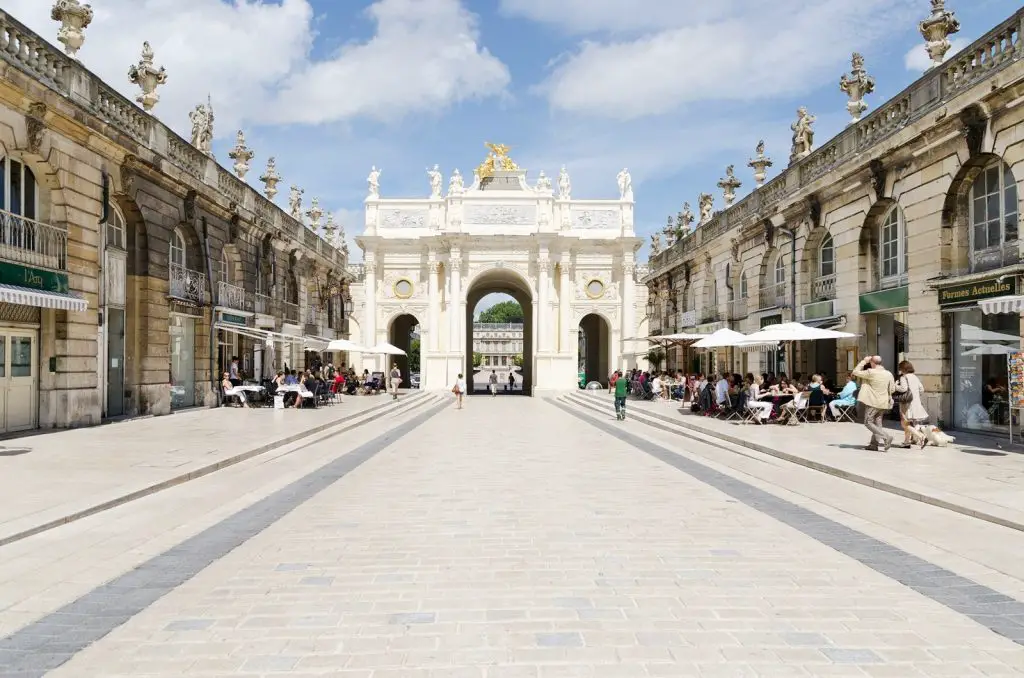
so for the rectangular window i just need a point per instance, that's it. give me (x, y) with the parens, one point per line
(15, 187)
(21, 356)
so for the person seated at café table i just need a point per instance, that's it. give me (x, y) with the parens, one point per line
(228, 390)
(846, 397)
(308, 383)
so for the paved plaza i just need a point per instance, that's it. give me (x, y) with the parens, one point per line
(445, 543)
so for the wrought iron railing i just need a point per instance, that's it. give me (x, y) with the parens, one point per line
(186, 284)
(233, 296)
(264, 304)
(291, 312)
(710, 314)
(32, 243)
(773, 296)
(987, 259)
(823, 288)
(313, 315)
(738, 309)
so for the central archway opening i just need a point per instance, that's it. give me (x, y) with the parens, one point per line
(499, 340)
(404, 333)
(594, 350)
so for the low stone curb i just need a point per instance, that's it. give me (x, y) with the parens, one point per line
(377, 411)
(645, 417)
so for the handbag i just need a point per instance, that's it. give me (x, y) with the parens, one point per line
(903, 397)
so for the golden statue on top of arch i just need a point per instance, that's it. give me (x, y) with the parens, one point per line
(497, 160)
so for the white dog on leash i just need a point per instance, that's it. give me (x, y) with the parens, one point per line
(935, 436)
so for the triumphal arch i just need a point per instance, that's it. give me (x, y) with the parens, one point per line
(569, 262)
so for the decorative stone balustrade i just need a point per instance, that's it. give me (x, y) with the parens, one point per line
(32, 243)
(186, 284)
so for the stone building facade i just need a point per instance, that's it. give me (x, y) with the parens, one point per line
(499, 344)
(903, 229)
(132, 265)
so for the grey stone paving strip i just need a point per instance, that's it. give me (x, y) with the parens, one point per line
(377, 411)
(645, 416)
(48, 643)
(998, 612)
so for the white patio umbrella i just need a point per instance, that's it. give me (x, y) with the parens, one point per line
(345, 345)
(794, 332)
(384, 348)
(722, 338)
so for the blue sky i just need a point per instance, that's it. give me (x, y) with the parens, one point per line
(673, 89)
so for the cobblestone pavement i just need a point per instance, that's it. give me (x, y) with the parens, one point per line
(477, 546)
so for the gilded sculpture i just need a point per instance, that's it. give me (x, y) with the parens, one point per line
(497, 160)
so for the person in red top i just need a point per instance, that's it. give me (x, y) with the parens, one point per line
(611, 382)
(339, 382)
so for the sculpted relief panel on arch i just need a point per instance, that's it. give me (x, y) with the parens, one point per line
(403, 218)
(501, 215)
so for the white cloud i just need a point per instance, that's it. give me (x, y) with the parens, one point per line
(917, 58)
(767, 50)
(254, 58)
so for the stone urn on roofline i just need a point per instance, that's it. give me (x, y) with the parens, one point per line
(148, 77)
(74, 18)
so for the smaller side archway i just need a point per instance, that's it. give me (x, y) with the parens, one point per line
(403, 333)
(595, 349)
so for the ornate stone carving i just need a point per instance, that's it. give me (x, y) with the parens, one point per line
(706, 204)
(974, 124)
(241, 154)
(373, 179)
(270, 179)
(403, 218)
(625, 185)
(295, 202)
(857, 84)
(543, 184)
(729, 184)
(329, 228)
(878, 177)
(670, 232)
(586, 290)
(936, 30)
(74, 19)
(434, 175)
(655, 244)
(497, 160)
(509, 215)
(564, 185)
(202, 127)
(595, 218)
(127, 172)
(314, 213)
(684, 220)
(456, 184)
(803, 135)
(543, 217)
(760, 165)
(35, 126)
(190, 207)
(148, 77)
(734, 247)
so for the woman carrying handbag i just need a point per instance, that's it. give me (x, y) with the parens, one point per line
(910, 396)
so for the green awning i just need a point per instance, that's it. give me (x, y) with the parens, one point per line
(897, 298)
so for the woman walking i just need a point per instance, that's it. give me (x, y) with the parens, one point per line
(459, 390)
(910, 395)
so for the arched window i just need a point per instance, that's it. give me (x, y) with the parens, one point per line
(827, 257)
(892, 248)
(115, 230)
(178, 249)
(743, 285)
(993, 214)
(713, 296)
(780, 269)
(18, 194)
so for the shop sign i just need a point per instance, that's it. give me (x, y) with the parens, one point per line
(976, 291)
(770, 320)
(817, 310)
(33, 278)
(233, 319)
(881, 301)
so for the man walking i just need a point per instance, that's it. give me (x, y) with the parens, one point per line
(396, 379)
(494, 383)
(621, 389)
(876, 388)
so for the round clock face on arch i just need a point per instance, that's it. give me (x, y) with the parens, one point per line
(595, 289)
(403, 289)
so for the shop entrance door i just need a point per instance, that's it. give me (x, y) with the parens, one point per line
(19, 380)
(115, 362)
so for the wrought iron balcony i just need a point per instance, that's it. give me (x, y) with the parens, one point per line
(313, 315)
(186, 284)
(710, 314)
(291, 312)
(233, 296)
(738, 309)
(32, 243)
(991, 258)
(823, 288)
(773, 296)
(264, 304)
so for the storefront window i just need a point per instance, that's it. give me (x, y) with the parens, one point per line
(980, 346)
(183, 372)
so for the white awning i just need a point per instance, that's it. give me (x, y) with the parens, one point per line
(1009, 304)
(25, 296)
(257, 333)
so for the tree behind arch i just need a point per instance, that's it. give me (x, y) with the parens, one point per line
(503, 312)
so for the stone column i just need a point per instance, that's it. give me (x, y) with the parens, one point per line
(370, 333)
(543, 307)
(455, 339)
(628, 309)
(564, 308)
(434, 301)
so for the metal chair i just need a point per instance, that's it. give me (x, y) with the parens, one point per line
(846, 413)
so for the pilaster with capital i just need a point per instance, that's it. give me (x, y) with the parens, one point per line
(434, 300)
(543, 281)
(564, 303)
(628, 307)
(370, 261)
(455, 339)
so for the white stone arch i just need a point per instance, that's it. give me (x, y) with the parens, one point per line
(512, 274)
